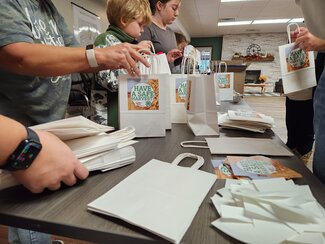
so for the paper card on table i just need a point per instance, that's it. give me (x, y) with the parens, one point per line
(260, 167)
(302, 238)
(234, 212)
(246, 146)
(261, 229)
(275, 184)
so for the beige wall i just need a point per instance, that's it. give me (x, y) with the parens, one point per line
(95, 6)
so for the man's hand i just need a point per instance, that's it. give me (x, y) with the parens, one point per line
(307, 41)
(54, 164)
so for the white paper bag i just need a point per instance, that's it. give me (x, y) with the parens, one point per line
(225, 83)
(297, 67)
(178, 90)
(201, 107)
(142, 104)
(159, 65)
(160, 197)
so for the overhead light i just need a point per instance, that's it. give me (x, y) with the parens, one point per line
(297, 20)
(270, 21)
(229, 23)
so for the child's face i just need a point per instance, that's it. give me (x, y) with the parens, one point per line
(170, 11)
(134, 28)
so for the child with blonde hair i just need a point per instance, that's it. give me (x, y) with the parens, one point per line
(127, 20)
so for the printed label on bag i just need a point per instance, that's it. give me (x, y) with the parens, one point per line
(296, 58)
(181, 90)
(143, 94)
(223, 80)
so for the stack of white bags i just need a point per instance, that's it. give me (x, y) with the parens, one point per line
(96, 149)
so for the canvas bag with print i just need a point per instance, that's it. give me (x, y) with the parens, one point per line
(201, 106)
(225, 83)
(142, 104)
(297, 67)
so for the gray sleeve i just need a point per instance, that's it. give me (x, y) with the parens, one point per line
(146, 35)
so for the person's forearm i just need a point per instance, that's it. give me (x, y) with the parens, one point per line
(11, 134)
(43, 60)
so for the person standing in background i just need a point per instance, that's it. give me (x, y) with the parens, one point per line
(127, 20)
(181, 44)
(300, 128)
(164, 12)
(37, 55)
(313, 12)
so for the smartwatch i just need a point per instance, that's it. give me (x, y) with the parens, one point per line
(25, 153)
(91, 58)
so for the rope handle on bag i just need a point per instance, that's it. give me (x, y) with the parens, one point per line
(154, 61)
(289, 30)
(199, 160)
(219, 67)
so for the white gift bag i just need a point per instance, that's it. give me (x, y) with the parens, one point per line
(297, 67)
(142, 104)
(224, 83)
(178, 90)
(159, 65)
(201, 106)
(160, 197)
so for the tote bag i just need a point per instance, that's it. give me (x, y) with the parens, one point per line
(160, 197)
(142, 104)
(224, 83)
(201, 106)
(297, 67)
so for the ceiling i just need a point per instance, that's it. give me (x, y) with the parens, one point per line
(200, 17)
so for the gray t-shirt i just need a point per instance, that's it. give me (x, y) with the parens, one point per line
(313, 12)
(162, 40)
(28, 99)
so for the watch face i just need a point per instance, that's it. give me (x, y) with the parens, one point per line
(25, 154)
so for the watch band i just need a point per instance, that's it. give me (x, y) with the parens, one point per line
(32, 135)
(25, 153)
(91, 58)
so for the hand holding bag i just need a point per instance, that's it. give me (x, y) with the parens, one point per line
(297, 67)
(160, 197)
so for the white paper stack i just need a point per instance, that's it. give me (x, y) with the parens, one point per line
(269, 211)
(87, 140)
(246, 120)
(95, 149)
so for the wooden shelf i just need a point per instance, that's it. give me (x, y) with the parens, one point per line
(254, 59)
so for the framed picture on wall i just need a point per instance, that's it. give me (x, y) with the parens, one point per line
(204, 63)
(86, 25)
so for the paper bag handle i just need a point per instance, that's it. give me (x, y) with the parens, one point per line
(199, 160)
(191, 144)
(219, 67)
(153, 59)
(288, 30)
